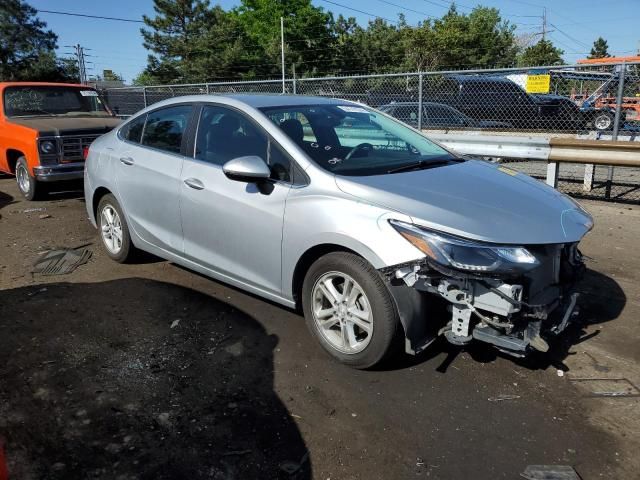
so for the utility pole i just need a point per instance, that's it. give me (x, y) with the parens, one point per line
(78, 51)
(282, 52)
(544, 23)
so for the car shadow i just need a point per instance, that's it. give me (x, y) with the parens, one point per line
(5, 199)
(67, 190)
(140, 378)
(601, 300)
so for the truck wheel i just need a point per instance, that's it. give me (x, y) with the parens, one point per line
(113, 229)
(30, 188)
(349, 310)
(603, 121)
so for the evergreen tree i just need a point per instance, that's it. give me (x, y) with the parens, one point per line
(600, 49)
(27, 48)
(542, 53)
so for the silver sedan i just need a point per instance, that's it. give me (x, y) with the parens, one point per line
(382, 237)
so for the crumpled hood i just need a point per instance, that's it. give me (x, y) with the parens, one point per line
(68, 125)
(477, 200)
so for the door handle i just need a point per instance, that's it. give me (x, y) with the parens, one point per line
(194, 183)
(127, 160)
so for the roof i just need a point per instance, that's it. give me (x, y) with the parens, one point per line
(588, 61)
(274, 100)
(42, 84)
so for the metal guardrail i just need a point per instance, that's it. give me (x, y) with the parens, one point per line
(528, 154)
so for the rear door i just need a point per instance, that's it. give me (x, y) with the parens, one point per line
(148, 176)
(234, 228)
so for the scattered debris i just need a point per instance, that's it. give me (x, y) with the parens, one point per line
(236, 452)
(30, 210)
(290, 467)
(500, 398)
(550, 472)
(61, 261)
(560, 373)
(607, 387)
(42, 290)
(42, 217)
(163, 419)
(235, 349)
(175, 323)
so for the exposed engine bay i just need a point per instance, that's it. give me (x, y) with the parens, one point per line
(516, 312)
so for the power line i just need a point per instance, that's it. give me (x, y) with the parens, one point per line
(91, 16)
(359, 11)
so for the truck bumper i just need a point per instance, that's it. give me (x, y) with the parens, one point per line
(56, 173)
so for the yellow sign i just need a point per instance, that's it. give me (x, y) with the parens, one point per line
(538, 83)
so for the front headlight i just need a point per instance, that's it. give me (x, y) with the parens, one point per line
(47, 147)
(467, 255)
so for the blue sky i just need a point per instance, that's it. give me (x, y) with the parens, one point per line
(577, 23)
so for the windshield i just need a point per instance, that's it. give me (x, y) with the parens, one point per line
(52, 100)
(354, 140)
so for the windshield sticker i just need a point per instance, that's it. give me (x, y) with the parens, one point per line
(352, 109)
(508, 171)
(88, 93)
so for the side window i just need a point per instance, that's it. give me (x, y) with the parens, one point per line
(132, 131)
(279, 163)
(224, 134)
(165, 128)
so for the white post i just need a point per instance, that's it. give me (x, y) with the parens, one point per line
(589, 173)
(552, 174)
(282, 51)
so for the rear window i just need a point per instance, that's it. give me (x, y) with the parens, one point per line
(165, 128)
(132, 131)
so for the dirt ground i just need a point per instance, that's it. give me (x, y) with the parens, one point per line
(150, 371)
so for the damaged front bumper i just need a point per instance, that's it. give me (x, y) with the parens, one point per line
(517, 315)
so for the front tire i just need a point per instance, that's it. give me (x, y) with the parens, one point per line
(28, 185)
(114, 231)
(349, 310)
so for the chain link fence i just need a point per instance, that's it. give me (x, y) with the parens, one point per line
(598, 102)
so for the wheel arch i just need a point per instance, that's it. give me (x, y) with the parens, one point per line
(97, 196)
(319, 250)
(13, 155)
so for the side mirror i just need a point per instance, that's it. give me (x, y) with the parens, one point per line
(251, 169)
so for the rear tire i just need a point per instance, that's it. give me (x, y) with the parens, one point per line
(114, 231)
(359, 327)
(603, 121)
(28, 185)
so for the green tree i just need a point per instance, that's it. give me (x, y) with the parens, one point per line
(600, 49)
(542, 53)
(308, 33)
(190, 41)
(27, 48)
(480, 39)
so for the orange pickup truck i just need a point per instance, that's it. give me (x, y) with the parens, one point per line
(45, 131)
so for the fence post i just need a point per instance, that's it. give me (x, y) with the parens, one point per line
(419, 100)
(616, 123)
(207, 88)
(294, 79)
(144, 96)
(552, 174)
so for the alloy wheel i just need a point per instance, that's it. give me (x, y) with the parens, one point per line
(603, 122)
(22, 176)
(342, 312)
(111, 229)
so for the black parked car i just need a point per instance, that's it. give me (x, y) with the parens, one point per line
(499, 99)
(437, 115)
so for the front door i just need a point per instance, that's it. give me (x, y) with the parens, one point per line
(148, 177)
(233, 227)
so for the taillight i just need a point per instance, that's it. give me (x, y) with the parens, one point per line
(85, 152)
